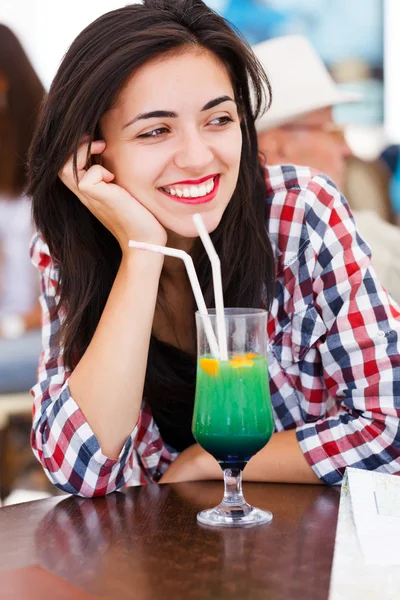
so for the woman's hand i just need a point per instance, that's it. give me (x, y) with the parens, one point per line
(193, 464)
(124, 216)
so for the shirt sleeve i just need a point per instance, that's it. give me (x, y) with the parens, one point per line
(61, 438)
(360, 351)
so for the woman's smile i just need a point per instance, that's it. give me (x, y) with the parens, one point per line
(193, 192)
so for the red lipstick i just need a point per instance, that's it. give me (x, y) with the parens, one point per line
(192, 181)
(199, 200)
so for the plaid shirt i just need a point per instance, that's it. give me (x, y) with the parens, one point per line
(333, 355)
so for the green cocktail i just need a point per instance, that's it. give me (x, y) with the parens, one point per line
(232, 417)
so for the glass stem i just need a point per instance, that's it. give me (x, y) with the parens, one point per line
(233, 487)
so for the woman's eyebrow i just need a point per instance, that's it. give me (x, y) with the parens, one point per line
(167, 114)
(216, 101)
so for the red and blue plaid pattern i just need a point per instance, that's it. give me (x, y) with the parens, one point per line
(333, 355)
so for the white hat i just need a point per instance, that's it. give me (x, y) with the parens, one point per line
(299, 80)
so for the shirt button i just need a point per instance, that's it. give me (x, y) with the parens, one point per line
(381, 334)
(297, 348)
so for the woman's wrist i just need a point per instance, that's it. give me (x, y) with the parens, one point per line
(157, 240)
(134, 259)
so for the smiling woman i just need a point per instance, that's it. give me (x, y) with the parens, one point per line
(150, 119)
(154, 125)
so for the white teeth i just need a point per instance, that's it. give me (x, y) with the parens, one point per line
(193, 191)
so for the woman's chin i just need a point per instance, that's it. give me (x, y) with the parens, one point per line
(186, 228)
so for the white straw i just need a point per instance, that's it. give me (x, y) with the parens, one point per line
(201, 305)
(216, 271)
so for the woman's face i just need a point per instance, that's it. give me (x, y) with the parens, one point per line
(174, 140)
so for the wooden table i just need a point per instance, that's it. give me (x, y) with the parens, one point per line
(144, 543)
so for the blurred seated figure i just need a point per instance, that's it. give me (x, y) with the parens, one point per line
(20, 340)
(390, 157)
(299, 129)
(366, 186)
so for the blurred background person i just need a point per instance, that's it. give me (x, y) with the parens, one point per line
(390, 157)
(367, 186)
(21, 93)
(299, 129)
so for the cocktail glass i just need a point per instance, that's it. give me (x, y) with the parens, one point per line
(232, 417)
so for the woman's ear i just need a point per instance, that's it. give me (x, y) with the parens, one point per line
(97, 159)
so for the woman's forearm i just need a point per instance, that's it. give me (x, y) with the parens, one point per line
(107, 384)
(280, 461)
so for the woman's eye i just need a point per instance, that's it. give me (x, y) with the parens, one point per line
(155, 133)
(220, 121)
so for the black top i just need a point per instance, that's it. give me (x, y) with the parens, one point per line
(171, 403)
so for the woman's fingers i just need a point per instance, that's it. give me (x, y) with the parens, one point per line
(66, 173)
(97, 147)
(95, 175)
(90, 182)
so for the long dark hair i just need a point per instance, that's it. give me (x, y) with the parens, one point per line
(98, 63)
(22, 95)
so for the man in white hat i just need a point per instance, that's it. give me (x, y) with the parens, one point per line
(299, 129)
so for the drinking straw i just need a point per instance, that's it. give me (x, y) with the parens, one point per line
(201, 305)
(217, 281)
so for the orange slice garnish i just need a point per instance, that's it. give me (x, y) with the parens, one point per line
(239, 357)
(252, 356)
(210, 366)
(241, 363)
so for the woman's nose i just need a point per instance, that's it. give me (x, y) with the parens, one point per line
(194, 153)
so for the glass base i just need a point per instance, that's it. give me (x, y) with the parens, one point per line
(226, 515)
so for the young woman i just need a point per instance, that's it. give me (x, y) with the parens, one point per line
(149, 120)
(20, 96)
